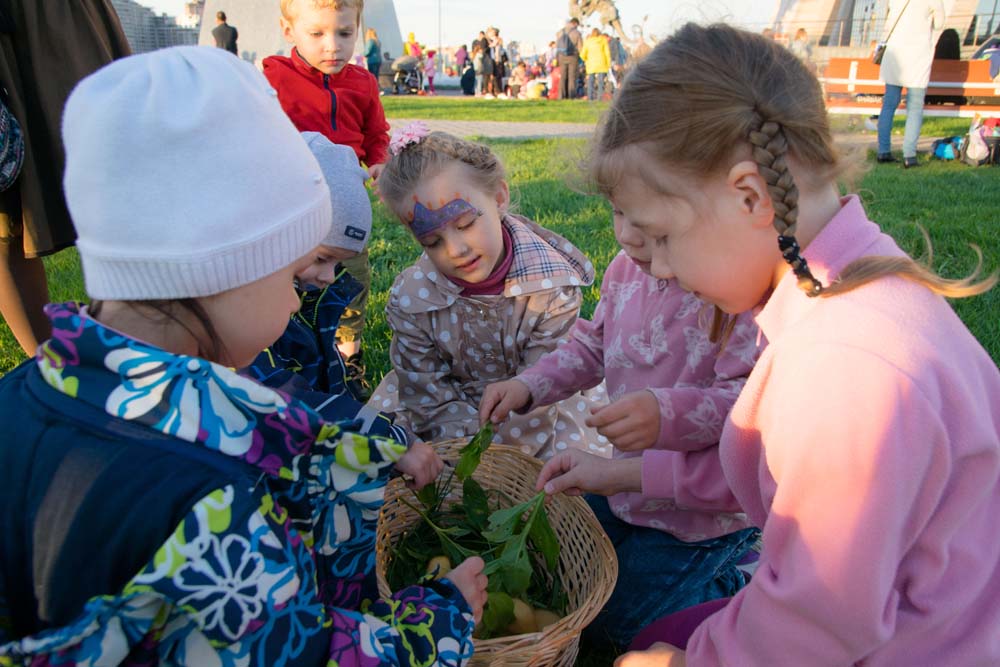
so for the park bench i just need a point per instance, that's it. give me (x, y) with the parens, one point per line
(957, 88)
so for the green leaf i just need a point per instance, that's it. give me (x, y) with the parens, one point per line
(516, 569)
(544, 538)
(504, 523)
(472, 453)
(475, 503)
(498, 613)
(428, 496)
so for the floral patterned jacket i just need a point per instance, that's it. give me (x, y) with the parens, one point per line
(271, 565)
(446, 348)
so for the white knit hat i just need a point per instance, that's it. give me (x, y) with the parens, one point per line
(352, 209)
(185, 178)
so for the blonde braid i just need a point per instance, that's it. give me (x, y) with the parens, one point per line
(769, 151)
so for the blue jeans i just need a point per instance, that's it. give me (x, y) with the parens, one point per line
(598, 92)
(659, 574)
(914, 118)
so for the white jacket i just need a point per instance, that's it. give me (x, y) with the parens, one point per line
(910, 50)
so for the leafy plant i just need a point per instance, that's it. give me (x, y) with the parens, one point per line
(516, 541)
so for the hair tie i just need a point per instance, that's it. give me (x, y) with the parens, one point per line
(413, 133)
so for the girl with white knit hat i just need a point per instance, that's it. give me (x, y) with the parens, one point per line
(155, 505)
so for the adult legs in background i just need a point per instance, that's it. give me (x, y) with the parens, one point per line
(564, 84)
(24, 291)
(659, 574)
(890, 102)
(572, 68)
(914, 120)
(590, 87)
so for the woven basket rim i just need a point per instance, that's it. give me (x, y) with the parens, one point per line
(529, 648)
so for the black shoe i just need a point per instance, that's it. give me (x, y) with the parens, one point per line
(355, 378)
(910, 162)
(885, 157)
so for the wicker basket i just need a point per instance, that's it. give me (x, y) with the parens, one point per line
(587, 570)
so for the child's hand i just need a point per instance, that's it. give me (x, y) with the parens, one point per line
(421, 463)
(631, 423)
(502, 397)
(469, 579)
(575, 472)
(659, 654)
(375, 171)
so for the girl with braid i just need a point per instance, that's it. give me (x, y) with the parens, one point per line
(866, 442)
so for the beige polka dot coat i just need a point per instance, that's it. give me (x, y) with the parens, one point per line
(447, 348)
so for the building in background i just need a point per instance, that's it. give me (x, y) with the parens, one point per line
(147, 31)
(260, 32)
(855, 22)
(191, 16)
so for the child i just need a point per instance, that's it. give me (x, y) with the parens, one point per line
(670, 387)
(430, 69)
(518, 78)
(321, 92)
(491, 294)
(866, 442)
(305, 361)
(157, 507)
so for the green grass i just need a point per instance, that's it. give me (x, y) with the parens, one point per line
(474, 108)
(955, 203)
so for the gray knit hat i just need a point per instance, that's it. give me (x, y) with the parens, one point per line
(185, 178)
(352, 210)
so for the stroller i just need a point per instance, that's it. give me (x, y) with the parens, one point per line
(406, 77)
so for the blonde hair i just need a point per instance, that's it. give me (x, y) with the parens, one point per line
(709, 92)
(288, 13)
(425, 159)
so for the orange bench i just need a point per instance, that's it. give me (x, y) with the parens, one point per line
(964, 85)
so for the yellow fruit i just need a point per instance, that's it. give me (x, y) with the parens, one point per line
(439, 566)
(544, 618)
(524, 618)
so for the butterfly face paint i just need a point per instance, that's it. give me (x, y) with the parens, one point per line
(427, 221)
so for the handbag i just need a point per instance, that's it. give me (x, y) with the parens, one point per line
(880, 49)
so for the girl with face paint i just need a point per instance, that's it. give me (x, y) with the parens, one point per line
(491, 294)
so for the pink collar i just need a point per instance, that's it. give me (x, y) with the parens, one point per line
(494, 283)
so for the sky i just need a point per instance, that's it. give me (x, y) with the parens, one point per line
(535, 22)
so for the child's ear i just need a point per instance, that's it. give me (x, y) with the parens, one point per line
(503, 197)
(286, 30)
(749, 188)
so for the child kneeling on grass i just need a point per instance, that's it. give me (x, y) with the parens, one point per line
(305, 362)
(155, 506)
(490, 295)
(866, 442)
(670, 388)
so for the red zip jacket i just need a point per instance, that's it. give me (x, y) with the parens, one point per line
(345, 107)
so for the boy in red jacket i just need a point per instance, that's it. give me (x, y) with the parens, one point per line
(322, 92)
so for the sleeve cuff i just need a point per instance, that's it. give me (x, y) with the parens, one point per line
(657, 476)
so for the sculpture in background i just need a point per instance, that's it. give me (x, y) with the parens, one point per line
(606, 9)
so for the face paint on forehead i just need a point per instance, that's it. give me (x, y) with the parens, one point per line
(426, 221)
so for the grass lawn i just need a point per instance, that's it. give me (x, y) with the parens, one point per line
(956, 204)
(475, 108)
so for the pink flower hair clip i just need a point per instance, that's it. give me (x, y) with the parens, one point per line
(411, 134)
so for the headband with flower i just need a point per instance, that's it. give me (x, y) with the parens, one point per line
(413, 133)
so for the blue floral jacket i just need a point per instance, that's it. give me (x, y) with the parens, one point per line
(266, 565)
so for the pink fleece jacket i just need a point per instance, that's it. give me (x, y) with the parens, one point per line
(867, 444)
(647, 334)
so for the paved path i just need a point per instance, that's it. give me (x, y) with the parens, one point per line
(507, 130)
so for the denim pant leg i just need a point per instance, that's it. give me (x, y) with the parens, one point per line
(890, 102)
(602, 83)
(659, 574)
(590, 86)
(914, 119)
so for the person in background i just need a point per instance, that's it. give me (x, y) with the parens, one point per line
(430, 70)
(518, 79)
(46, 46)
(373, 52)
(802, 48)
(907, 64)
(322, 92)
(568, 45)
(461, 55)
(597, 61)
(224, 34)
